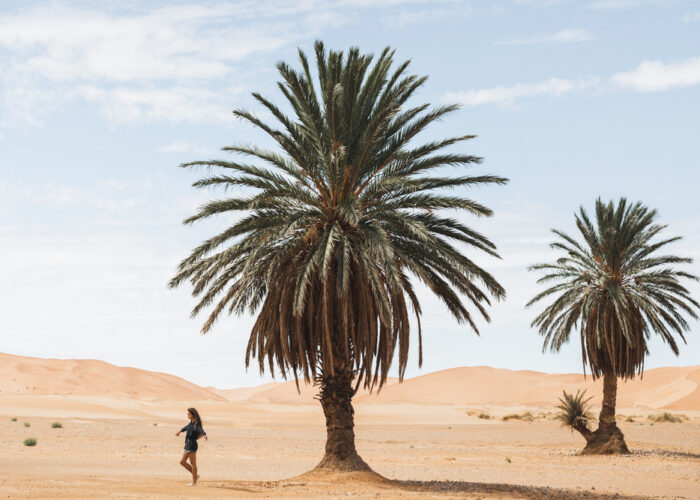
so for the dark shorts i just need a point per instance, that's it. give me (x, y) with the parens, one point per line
(190, 451)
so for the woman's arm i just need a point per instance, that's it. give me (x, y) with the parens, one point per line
(181, 430)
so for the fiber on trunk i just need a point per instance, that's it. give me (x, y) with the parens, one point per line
(336, 398)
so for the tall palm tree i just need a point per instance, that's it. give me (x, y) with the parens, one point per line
(335, 227)
(620, 290)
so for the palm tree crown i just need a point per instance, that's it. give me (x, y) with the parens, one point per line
(338, 221)
(618, 287)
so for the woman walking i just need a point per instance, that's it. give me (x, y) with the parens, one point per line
(193, 432)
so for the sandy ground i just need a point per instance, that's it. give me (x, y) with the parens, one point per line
(121, 448)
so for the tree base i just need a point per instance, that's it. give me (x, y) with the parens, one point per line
(347, 462)
(606, 441)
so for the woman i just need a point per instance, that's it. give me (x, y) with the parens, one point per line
(193, 431)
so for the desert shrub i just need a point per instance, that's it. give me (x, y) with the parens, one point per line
(155, 424)
(665, 417)
(27, 424)
(14, 419)
(57, 425)
(508, 460)
(630, 419)
(525, 417)
(485, 416)
(574, 410)
(30, 442)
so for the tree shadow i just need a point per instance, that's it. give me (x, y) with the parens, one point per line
(243, 487)
(516, 490)
(340, 486)
(665, 453)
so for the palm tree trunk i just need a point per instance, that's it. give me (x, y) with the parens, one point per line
(336, 398)
(608, 439)
(607, 412)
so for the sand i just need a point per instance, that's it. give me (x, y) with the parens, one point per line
(109, 446)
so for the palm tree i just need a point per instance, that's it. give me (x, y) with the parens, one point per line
(334, 227)
(620, 291)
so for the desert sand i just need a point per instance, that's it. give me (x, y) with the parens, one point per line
(424, 435)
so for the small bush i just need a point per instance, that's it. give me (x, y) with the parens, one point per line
(665, 417)
(574, 410)
(57, 425)
(508, 459)
(30, 442)
(14, 419)
(155, 424)
(630, 419)
(27, 424)
(485, 416)
(525, 417)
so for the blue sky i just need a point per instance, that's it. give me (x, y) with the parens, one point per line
(98, 107)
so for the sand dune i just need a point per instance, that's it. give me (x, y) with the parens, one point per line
(25, 375)
(676, 388)
(672, 388)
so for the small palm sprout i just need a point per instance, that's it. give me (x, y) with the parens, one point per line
(616, 290)
(575, 411)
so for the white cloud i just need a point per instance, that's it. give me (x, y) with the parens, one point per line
(565, 36)
(172, 64)
(172, 104)
(624, 4)
(185, 147)
(188, 42)
(540, 3)
(403, 18)
(506, 96)
(650, 76)
(656, 76)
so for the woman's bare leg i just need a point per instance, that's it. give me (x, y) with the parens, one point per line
(193, 461)
(183, 461)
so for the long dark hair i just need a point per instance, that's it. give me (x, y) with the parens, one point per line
(197, 418)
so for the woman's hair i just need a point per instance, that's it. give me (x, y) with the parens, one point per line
(197, 419)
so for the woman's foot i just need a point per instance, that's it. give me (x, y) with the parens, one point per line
(194, 483)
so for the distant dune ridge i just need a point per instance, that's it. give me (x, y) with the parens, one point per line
(675, 388)
(25, 375)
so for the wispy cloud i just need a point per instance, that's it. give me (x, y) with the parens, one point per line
(540, 3)
(650, 76)
(657, 76)
(403, 18)
(185, 147)
(691, 17)
(170, 64)
(506, 96)
(565, 36)
(170, 104)
(624, 4)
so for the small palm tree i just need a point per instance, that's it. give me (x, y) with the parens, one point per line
(575, 411)
(620, 291)
(335, 228)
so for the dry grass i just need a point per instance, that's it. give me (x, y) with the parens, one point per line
(524, 417)
(666, 417)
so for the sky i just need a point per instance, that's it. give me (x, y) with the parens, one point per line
(570, 100)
